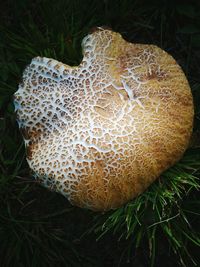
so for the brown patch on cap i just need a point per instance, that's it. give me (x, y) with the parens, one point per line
(29, 150)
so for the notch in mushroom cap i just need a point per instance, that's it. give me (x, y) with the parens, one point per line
(100, 133)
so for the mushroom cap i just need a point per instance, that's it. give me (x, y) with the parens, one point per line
(100, 133)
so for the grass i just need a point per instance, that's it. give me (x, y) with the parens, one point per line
(40, 228)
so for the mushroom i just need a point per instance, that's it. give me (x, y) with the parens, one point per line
(100, 133)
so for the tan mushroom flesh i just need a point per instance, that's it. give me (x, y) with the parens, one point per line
(100, 133)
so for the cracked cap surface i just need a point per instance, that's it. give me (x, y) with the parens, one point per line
(102, 132)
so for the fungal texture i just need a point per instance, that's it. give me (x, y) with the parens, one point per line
(100, 133)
